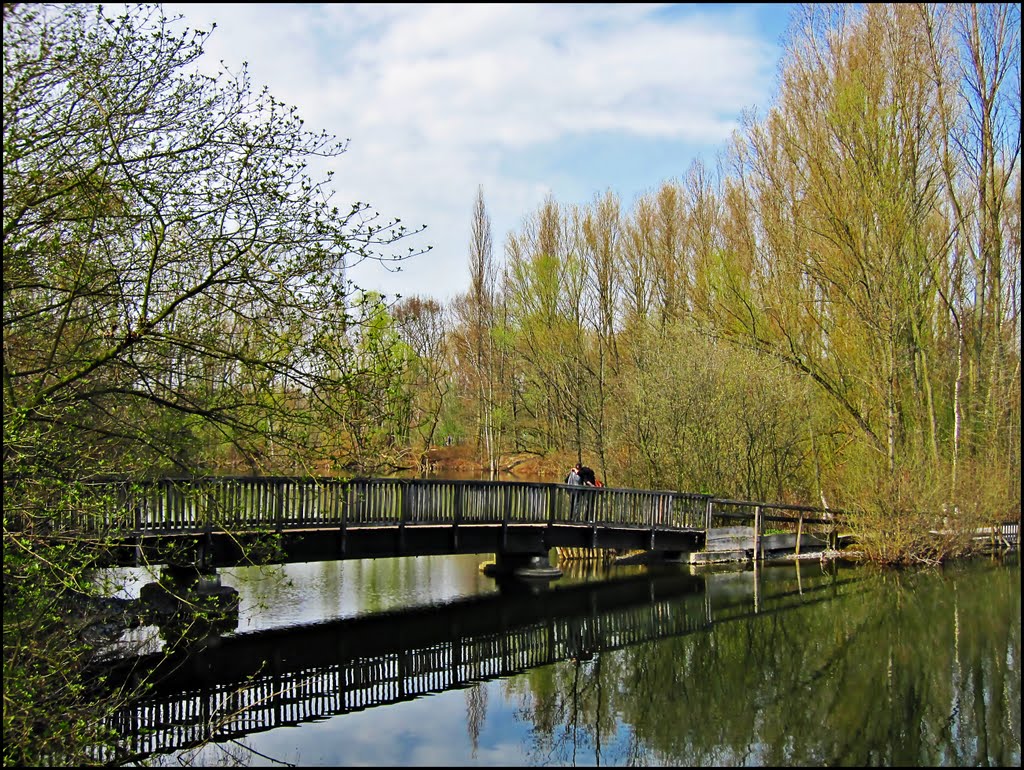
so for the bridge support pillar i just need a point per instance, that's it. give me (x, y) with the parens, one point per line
(522, 565)
(202, 581)
(677, 557)
(189, 604)
(178, 583)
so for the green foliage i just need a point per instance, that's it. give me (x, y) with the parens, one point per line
(703, 417)
(861, 258)
(365, 419)
(174, 299)
(49, 714)
(164, 250)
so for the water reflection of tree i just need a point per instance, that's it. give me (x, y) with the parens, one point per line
(907, 668)
(476, 713)
(572, 720)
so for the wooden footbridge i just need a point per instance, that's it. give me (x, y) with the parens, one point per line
(223, 521)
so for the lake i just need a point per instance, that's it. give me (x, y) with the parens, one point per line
(425, 661)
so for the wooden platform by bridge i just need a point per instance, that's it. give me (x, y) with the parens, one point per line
(221, 521)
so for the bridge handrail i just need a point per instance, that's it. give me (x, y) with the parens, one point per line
(189, 504)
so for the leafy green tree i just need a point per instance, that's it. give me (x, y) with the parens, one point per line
(543, 292)
(378, 397)
(869, 247)
(174, 285)
(164, 248)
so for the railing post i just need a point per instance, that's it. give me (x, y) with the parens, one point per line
(164, 488)
(757, 532)
(405, 513)
(280, 484)
(211, 504)
(656, 510)
(707, 515)
(408, 490)
(504, 517)
(456, 515)
(344, 489)
(138, 502)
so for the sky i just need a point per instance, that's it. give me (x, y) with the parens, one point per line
(521, 101)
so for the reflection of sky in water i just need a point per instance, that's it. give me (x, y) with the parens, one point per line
(427, 732)
(320, 591)
(291, 594)
(845, 617)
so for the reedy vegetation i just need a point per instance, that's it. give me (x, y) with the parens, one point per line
(831, 315)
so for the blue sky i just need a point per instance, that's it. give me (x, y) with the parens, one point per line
(525, 100)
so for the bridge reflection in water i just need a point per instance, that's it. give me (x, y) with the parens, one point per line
(255, 682)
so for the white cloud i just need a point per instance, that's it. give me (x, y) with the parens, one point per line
(437, 98)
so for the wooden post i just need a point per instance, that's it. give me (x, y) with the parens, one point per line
(757, 532)
(346, 490)
(799, 531)
(138, 502)
(405, 511)
(211, 506)
(504, 533)
(280, 503)
(408, 486)
(456, 515)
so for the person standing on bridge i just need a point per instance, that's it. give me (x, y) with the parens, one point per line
(573, 479)
(588, 479)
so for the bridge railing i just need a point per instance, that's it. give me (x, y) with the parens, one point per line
(776, 519)
(725, 513)
(236, 503)
(180, 505)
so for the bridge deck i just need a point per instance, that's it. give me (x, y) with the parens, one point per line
(213, 520)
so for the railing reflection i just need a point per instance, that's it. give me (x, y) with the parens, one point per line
(255, 682)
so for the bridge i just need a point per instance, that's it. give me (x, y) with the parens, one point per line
(220, 521)
(249, 683)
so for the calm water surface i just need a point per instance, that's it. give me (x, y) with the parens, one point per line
(426, 661)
